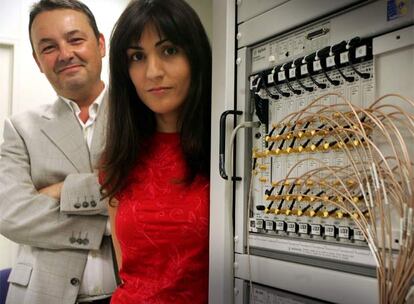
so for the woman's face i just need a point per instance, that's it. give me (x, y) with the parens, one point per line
(161, 75)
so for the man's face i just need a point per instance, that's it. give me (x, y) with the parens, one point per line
(67, 52)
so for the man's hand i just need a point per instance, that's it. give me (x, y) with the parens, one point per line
(53, 190)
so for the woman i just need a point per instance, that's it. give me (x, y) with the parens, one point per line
(157, 156)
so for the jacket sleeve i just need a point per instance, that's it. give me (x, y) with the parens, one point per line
(81, 195)
(28, 217)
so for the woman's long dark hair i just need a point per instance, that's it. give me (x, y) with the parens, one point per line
(131, 123)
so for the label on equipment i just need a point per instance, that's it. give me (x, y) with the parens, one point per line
(358, 235)
(330, 231)
(397, 9)
(315, 229)
(303, 228)
(259, 224)
(304, 69)
(342, 253)
(252, 79)
(281, 76)
(252, 223)
(343, 232)
(343, 57)
(291, 227)
(270, 78)
(317, 65)
(361, 51)
(269, 225)
(280, 225)
(330, 61)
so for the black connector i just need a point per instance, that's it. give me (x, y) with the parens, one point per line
(269, 191)
(262, 109)
(284, 94)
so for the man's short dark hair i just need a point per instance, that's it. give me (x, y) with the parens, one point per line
(50, 5)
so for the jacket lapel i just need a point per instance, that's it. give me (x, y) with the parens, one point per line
(98, 139)
(62, 128)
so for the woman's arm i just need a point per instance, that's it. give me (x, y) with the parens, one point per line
(112, 209)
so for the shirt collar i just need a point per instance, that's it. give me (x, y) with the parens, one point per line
(93, 108)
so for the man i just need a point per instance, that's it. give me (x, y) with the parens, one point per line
(50, 199)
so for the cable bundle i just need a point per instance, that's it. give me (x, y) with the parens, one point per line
(375, 187)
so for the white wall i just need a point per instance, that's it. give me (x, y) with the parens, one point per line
(204, 9)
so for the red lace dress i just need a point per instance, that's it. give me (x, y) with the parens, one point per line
(162, 227)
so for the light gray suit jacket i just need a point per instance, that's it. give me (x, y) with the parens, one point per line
(41, 148)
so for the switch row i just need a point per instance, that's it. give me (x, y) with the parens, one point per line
(342, 232)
